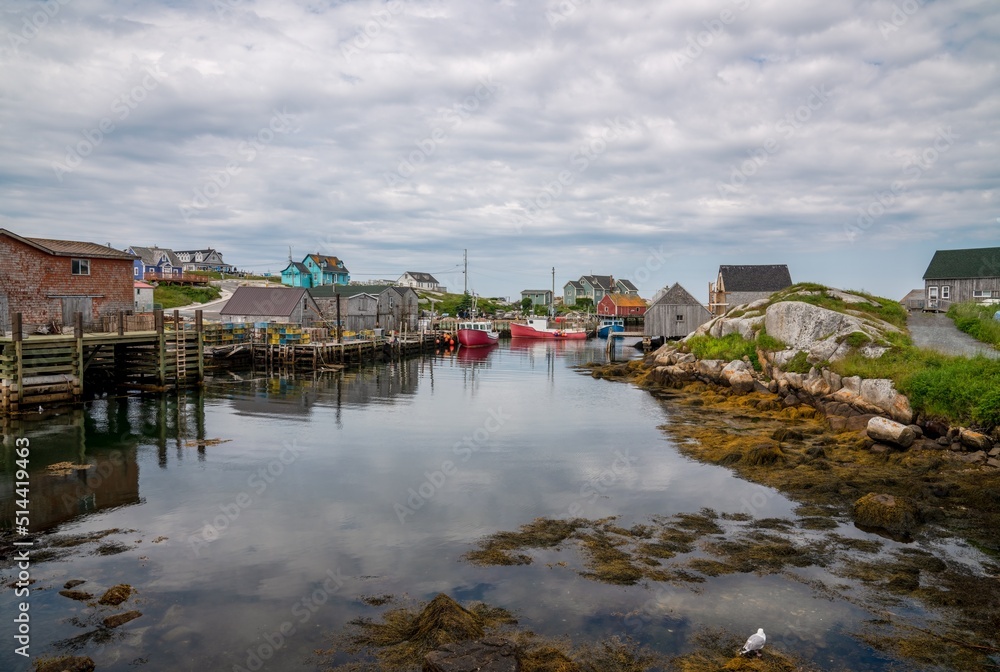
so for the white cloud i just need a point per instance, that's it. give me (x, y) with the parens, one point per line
(707, 87)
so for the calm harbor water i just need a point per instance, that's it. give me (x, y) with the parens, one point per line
(252, 515)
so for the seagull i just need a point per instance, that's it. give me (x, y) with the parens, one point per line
(754, 643)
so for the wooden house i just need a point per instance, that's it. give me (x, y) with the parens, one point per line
(203, 260)
(539, 297)
(674, 314)
(595, 288)
(154, 261)
(621, 305)
(315, 270)
(417, 280)
(398, 309)
(358, 305)
(962, 275)
(572, 291)
(737, 285)
(914, 299)
(272, 304)
(49, 281)
(143, 296)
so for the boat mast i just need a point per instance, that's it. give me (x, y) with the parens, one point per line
(552, 298)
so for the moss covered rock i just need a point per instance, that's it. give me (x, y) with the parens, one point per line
(896, 515)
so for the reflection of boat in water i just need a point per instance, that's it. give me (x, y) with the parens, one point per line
(609, 325)
(473, 355)
(538, 327)
(477, 334)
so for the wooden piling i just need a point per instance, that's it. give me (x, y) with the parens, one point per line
(78, 333)
(199, 330)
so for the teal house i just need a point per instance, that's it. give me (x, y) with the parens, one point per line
(316, 270)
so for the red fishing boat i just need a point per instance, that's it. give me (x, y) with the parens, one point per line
(477, 334)
(538, 327)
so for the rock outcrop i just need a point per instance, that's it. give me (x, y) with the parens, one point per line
(896, 515)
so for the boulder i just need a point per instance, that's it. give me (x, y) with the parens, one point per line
(709, 368)
(974, 440)
(896, 515)
(491, 654)
(978, 457)
(815, 330)
(65, 664)
(742, 382)
(888, 431)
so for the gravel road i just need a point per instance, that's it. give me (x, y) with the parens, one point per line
(938, 332)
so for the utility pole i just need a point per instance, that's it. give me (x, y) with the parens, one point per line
(465, 273)
(552, 297)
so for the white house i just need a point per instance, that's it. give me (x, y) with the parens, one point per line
(143, 297)
(424, 281)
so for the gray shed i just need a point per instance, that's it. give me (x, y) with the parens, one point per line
(271, 304)
(675, 314)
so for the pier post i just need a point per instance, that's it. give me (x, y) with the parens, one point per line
(18, 336)
(161, 344)
(78, 333)
(121, 322)
(199, 330)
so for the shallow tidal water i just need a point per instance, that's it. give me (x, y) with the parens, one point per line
(252, 515)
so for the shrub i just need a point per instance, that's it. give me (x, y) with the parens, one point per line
(728, 348)
(798, 363)
(977, 321)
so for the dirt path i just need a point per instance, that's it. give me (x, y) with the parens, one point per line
(937, 332)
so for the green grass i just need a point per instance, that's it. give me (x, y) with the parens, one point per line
(878, 307)
(175, 296)
(728, 348)
(960, 389)
(977, 321)
(798, 363)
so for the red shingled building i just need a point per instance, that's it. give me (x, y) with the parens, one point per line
(48, 281)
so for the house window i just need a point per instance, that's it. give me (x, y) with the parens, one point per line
(135, 271)
(981, 293)
(946, 291)
(81, 267)
(680, 318)
(932, 293)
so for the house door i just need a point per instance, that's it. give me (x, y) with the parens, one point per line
(71, 305)
(4, 315)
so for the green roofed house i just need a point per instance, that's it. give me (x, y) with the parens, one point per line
(962, 275)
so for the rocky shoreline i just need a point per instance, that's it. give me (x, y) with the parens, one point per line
(848, 403)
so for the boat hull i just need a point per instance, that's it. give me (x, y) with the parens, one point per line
(476, 338)
(609, 328)
(526, 331)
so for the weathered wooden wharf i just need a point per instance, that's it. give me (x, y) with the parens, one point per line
(616, 336)
(47, 369)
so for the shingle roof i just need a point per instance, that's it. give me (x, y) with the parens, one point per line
(422, 277)
(625, 300)
(536, 291)
(331, 262)
(983, 262)
(328, 291)
(150, 255)
(575, 283)
(299, 266)
(263, 301)
(627, 284)
(70, 248)
(677, 296)
(599, 281)
(755, 278)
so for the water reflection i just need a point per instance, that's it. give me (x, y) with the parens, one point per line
(259, 489)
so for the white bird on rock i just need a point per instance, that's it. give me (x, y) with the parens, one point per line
(755, 643)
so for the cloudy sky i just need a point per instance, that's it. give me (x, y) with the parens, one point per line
(648, 140)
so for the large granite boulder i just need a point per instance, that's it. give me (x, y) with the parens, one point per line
(891, 432)
(898, 516)
(815, 330)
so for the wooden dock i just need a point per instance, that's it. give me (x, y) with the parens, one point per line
(614, 336)
(333, 354)
(46, 369)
